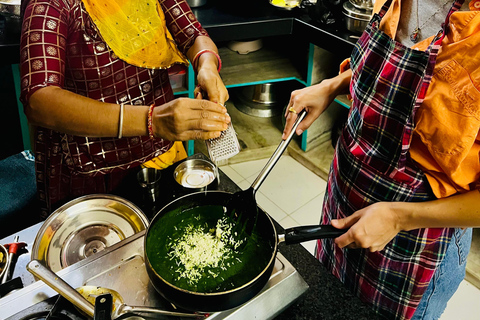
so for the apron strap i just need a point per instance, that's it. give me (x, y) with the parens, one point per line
(385, 7)
(443, 31)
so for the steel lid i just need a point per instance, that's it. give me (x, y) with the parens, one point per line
(85, 226)
(351, 11)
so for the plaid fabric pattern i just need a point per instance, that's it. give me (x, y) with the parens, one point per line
(371, 164)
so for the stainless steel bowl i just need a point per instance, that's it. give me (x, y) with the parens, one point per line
(195, 174)
(355, 19)
(85, 226)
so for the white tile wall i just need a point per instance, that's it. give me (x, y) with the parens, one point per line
(293, 195)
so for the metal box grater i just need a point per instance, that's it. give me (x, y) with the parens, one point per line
(223, 147)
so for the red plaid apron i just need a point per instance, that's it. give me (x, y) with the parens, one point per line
(372, 164)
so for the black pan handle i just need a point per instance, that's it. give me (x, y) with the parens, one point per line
(307, 233)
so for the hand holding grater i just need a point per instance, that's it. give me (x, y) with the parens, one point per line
(225, 146)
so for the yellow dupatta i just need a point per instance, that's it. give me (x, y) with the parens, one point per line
(136, 31)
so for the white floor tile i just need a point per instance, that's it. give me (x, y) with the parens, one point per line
(290, 185)
(288, 222)
(310, 212)
(249, 168)
(464, 305)
(232, 174)
(269, 207)
(310, 246)
(244, 184)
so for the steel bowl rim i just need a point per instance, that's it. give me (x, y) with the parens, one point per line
(183, 165)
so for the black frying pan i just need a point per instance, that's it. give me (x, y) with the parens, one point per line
(257, 264)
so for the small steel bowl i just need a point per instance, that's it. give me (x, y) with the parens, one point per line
(196, 174)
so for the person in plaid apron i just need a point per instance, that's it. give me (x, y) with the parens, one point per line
(394, 179)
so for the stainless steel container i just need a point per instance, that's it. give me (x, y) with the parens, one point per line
(263, 100)
(355, 19)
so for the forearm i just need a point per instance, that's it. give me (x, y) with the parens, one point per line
(339, 84)
(67, 112)
(206, 60)
(462, 210)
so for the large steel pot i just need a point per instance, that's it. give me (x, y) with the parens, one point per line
(356, 20)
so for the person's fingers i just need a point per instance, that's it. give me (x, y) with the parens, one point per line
(197, 93)
(290, 117)
(187, 119)
(205, 105)
(203, 135)
(347, 239)
(213, 88)
(204, 124)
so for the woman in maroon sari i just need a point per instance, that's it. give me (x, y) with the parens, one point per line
(96, 115)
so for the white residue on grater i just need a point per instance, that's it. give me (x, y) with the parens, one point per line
(225, 146)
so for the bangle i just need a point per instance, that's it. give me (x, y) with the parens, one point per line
(120, 122)
(199, 53)
(149, 121)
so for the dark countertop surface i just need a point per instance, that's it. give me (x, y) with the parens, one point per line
(228, 20)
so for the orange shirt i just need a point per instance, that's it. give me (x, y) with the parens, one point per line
(446, 140)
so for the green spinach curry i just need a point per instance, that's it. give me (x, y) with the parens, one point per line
(199, 250)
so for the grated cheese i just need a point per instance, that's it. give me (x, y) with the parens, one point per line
(197, 250)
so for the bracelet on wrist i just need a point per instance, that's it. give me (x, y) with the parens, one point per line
(120, 121)
(150, 121)
(199, 54)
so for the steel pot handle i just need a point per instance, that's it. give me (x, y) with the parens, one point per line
(60, 286)
(307, 233)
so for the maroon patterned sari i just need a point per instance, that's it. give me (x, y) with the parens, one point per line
(61, 47)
